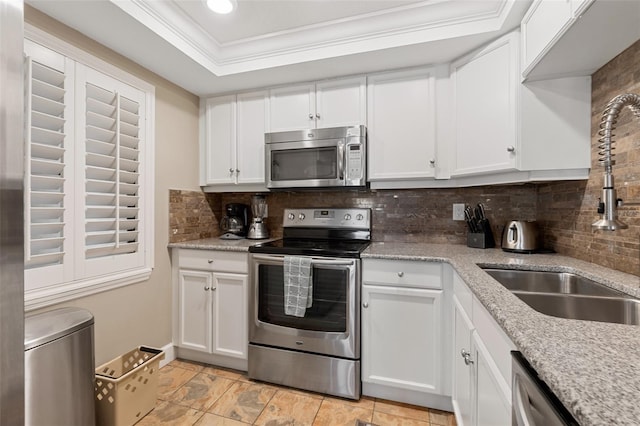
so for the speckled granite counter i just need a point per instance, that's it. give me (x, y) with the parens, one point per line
(593, 367)
(219, 244)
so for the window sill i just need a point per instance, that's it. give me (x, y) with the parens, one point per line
(47, 296)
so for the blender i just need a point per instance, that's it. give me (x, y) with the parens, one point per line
(258, 229)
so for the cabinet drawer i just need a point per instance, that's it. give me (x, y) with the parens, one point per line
(409, 273)
(209, 260)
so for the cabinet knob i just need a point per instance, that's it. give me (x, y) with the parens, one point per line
(511, 149)
(230, 170)
(317, 116)
(365, 305)
(466, 356)
(401, 274)
(213, 288)
(310, 116)
(237, 170)
(432, 162)
(209, 260)
(206, 289)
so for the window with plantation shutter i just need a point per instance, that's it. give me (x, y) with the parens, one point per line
(88, 175)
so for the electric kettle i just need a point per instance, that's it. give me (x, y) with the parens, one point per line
(520, 236)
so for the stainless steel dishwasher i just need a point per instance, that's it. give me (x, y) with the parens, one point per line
(534, 404)
(59, 368)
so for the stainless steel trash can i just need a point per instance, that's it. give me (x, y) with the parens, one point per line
(59, 368)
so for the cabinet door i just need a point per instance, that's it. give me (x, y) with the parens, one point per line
(462, 370)
(493, 398)
(341, 102)
(194, 321)
(230, 300)
(401, 125)
(401, 337)
(542, 25)
(292, 108)
(220, 140)
(252, 112)
(485, 106)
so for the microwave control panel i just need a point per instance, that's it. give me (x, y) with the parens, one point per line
(354, 161)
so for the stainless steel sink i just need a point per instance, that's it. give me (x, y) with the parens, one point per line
(607, 309)
(550, 282)
(566, 295)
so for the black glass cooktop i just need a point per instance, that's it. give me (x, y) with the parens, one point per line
(307, 247)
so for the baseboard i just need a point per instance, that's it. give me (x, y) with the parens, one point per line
(169, 354)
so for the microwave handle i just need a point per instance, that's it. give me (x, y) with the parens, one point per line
(314, 261)
(341, 160)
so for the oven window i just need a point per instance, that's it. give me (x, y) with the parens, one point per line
(304, 164)
(328, 312)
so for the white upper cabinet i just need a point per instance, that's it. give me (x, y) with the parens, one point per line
(535, 131)
(401, 113)
(562, 38)
(232, 141)
(331, 103)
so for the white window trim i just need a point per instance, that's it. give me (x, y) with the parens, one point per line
(46, 296)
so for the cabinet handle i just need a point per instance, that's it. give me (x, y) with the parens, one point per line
(310, 116)
(365, 305)
(511, 149)
(318, 116)
(401, 274)
(206, 289)
(466, 356)
(209, 260)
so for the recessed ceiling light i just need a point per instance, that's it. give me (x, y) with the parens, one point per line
(221, 6)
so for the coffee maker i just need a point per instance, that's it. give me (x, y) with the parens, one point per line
(235, 222)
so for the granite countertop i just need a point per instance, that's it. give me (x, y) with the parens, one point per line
(593, 367)
(216, 243)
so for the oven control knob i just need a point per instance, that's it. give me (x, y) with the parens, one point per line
(301, 216)
(291, 216)
(347, 216)
(359, 217)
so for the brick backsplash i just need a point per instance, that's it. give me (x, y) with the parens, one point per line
(564, 209)
(567, 209)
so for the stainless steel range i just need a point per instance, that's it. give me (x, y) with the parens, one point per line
(304, 328)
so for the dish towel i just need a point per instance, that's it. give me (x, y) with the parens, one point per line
(298, 285)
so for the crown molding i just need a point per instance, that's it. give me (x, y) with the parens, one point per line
(413, 24)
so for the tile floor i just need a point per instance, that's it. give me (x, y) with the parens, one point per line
(196, 394)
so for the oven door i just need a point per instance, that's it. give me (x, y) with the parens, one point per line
(330, 326)
(303, 164)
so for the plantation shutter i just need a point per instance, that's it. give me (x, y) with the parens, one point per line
(112, 131)
(48, 207)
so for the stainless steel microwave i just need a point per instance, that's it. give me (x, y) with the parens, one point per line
(316, 158)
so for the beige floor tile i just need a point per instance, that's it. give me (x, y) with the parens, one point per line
(171, 378)
(401, 410)
(214, 420)
(223, 372)
(365, 402)
(289, 408)
(187, 365)
(386, 419)
(334, 412)
(201, 391)
(167, 413)
(441, 418)
(243, 401)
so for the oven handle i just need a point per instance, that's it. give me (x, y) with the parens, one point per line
(314, 261)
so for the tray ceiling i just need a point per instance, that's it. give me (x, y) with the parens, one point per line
(270, 42)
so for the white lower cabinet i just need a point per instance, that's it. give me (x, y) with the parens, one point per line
(403, 332)
(481, 393)
(211, 306)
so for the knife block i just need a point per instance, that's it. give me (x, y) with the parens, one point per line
(481, 240)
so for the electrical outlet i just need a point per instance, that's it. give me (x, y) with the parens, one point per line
(458, 211)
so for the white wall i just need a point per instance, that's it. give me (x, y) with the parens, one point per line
(140, 314)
